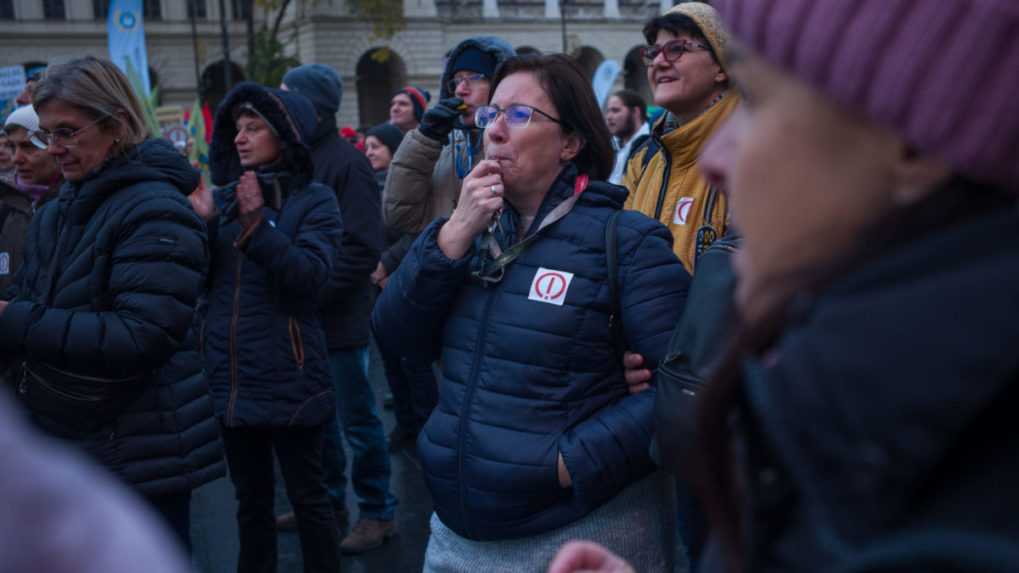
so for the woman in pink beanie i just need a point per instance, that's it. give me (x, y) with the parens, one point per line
(862, 418)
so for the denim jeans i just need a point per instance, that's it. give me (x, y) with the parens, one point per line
(414, 389)
(359, 422)
(249, 453)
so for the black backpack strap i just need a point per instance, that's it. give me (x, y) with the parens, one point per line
(707, 233)
(612, 263)
(5, 211)
(650, 147)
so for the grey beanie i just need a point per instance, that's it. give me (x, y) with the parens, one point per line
(320, 84)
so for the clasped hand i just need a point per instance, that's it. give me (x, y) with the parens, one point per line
(249, 200)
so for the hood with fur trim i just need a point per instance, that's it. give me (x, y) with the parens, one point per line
(291, 115)
(498, 48)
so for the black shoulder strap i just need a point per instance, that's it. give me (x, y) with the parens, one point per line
(637, 145)
(707, 233)
(5, 211)
(612, 263)
(651, 148)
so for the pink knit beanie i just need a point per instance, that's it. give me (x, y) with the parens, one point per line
(942, 73)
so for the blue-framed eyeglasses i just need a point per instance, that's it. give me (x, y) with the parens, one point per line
(517, 115)
(472, 80)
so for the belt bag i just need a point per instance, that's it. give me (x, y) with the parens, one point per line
(76, 402)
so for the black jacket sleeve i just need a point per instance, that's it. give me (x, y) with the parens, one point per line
(357, 193)
(300, 266)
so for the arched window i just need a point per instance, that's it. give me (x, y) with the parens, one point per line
(381, 72)
(214, 85)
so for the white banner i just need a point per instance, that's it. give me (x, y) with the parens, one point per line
(12, 82)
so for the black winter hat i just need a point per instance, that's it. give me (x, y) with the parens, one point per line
(291, 115)
(390, 135)
(475, 60)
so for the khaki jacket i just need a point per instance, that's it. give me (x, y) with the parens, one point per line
(670, 188)
(422, 183)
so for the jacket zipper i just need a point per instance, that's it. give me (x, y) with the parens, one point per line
(296, 342)
(472, 383)
(234, 319)
(664, 188)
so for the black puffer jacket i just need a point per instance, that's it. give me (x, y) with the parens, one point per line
(348, 300)
(265, 347)
(111, 276)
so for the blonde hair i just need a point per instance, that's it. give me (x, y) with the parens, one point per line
(99, 89)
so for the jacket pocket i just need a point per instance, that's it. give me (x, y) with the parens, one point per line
(296, 342)
(74, 403)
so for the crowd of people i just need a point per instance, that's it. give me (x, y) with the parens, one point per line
(772, 329)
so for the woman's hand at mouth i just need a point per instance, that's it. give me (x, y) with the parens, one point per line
(480, 201)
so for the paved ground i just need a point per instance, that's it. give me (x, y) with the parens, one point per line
(214, 529)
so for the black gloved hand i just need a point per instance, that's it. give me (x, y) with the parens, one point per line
(440, 119)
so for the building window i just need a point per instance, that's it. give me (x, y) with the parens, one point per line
(152, 10)
(197, 9)
(6, 9)
(241, 8)
(53, 10)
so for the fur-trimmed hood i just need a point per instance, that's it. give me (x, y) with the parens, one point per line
(291, 115)
(498, 48)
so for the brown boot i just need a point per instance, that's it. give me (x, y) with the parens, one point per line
(367, 534)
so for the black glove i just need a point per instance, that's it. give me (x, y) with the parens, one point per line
(441, 118)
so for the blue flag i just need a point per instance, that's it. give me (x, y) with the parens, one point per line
(126, 34)
(604, 77)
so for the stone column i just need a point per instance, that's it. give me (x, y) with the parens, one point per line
(612, 9)
(552, 9)
(420, 8)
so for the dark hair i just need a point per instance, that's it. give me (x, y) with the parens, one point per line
(632, 99)
(677, 24)
(574, 100)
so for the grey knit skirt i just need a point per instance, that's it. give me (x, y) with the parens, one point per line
(639, 524)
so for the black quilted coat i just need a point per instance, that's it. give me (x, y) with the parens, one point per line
(112, 273)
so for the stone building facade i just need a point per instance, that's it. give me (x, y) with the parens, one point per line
(326, 31)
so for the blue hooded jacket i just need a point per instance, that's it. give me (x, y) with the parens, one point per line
(529, 365)
(266, 352)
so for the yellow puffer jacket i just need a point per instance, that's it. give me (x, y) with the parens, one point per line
(670, 188)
